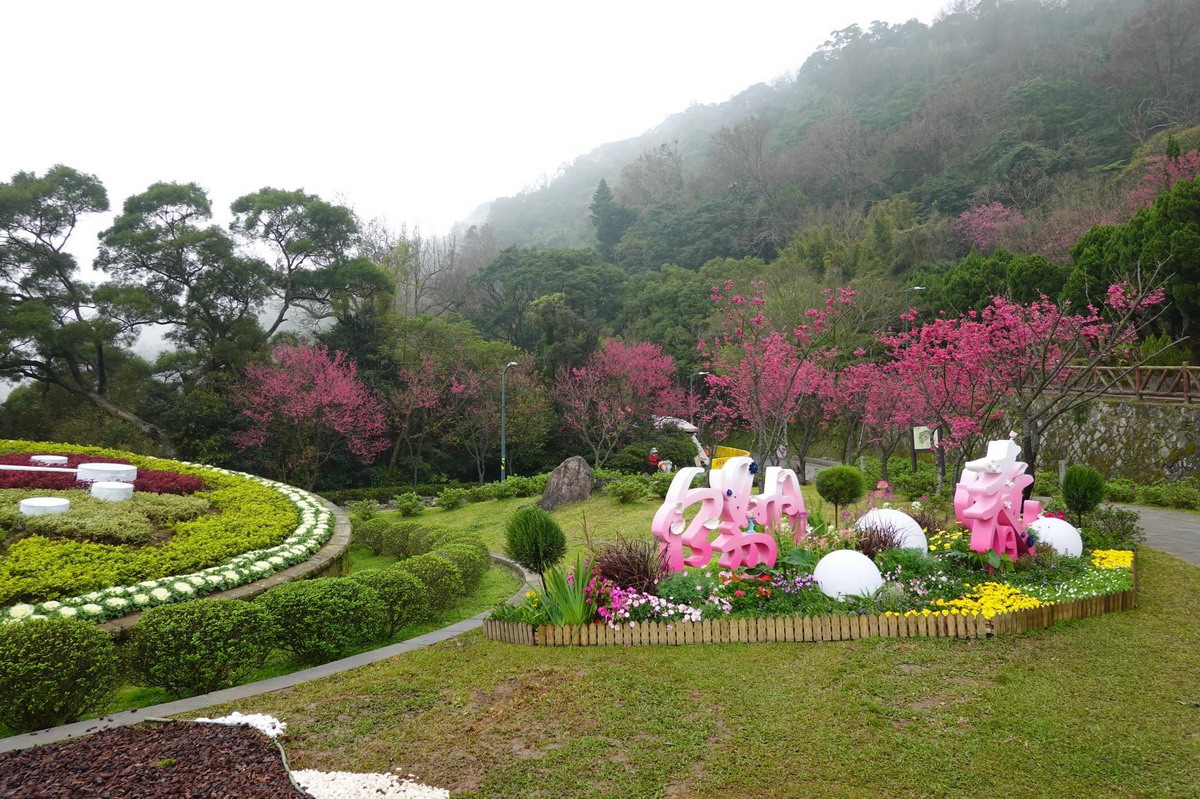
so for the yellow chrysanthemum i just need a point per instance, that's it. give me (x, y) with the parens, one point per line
(1112, 559)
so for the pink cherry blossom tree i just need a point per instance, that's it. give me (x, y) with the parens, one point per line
(304, 406)
(983, 226)
(772, 382)
(620, 385)
(877, 396)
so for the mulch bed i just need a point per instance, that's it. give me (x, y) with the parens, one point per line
(177, 759)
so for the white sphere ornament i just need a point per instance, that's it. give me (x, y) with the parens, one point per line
(1059, 534)
(907, 530)
(845, 571)
(112, 491)
(49, 460)
(44, 506)
(94, 472)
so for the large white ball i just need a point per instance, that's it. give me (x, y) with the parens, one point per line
(845, 571)
(906, 527)
(1059, 534)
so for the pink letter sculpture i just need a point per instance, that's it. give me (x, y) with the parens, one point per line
(988, 501)
(727, 506)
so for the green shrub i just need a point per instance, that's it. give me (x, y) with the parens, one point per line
(418, 538)
(471, 562)
(370, 533)
(52, 671)
(627, 490)
(904, 482)
(1046, 483)
(533, 539)
(1121, 490)
(911, 563)
(200, 646)
(404, 597)
(1182, 494)
(1082, 490)
(364, 510)
(441, 577)
(409, 504)
(1109, 527)
(841, 485)
(673, 446)
(481, 493)
(320, 620)
(688, 587)
(660, 482)
(451, 498)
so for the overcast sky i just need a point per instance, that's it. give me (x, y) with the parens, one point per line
(416, 112)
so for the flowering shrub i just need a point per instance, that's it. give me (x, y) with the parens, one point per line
(989, 599)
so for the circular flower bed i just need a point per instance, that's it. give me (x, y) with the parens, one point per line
(261, 528)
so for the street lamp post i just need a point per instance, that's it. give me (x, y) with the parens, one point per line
(503, 434)
(691, 413)
(912, 436)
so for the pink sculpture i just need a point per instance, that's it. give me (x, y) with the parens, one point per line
(989, 501)
(728, 507)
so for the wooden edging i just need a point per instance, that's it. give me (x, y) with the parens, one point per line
(839, 627)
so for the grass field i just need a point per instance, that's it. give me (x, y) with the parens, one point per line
(1103, 707)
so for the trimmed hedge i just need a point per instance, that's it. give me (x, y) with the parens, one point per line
(52, 671)
(321, 620)
(200, 646)
(405, 598)
(441, 577)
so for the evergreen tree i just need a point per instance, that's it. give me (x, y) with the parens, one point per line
(610, 219)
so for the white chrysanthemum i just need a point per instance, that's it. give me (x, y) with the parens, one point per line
(20, 611)
(91, 609)
(161, 594)
(51, 605)
(184, 588)
(261, 566)
(116, 602)
(230, 574)
(214, 579)
(196, 580)
(91, 596)
(275, 560)
(141, 600)
(67, 612)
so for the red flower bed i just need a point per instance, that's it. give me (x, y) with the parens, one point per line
(152, 480)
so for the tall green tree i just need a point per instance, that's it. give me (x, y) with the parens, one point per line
(610, 219)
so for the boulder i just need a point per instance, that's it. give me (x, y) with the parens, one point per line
(571, 481)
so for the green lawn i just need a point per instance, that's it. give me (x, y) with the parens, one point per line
(1100, 707)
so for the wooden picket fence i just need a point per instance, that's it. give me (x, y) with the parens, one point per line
(841, 627)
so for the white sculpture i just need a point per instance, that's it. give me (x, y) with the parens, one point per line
(847, 572)
(906, 527)
(1059, 534)
(119, 472)
(112, 491)
(44, 506)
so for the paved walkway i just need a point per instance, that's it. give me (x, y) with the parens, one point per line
(262, 686)
(1173, 531)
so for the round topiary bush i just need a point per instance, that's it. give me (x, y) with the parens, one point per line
(319, 620)
(441, 577)
(841, 485)
(409, 504)
(627, 490)
(471, 562)
(52, 671)
(405, 598)
(533, 539)
(1082, 490)
(200, 646)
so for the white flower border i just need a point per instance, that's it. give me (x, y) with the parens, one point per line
(316, 528)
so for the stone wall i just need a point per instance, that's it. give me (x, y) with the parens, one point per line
(1141, 441)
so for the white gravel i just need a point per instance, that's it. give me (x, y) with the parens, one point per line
(348, 785)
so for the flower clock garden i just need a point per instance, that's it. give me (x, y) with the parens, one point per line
(976, 569)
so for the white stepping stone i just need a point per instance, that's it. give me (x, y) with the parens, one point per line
(44, 506)
(49, 460)
(94, 472)
(112, 491)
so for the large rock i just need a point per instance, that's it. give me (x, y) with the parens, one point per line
(571, 481)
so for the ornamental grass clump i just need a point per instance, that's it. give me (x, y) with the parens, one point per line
(533, 539)
(320, 620)
(874, 540)
(633, 563)
(53, 671)
(200, 646)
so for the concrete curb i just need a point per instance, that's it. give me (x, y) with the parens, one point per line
(239, 692)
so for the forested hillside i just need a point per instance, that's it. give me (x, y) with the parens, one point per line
(831, 237)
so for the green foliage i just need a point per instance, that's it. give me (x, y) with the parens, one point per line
(1082, 489)
(443, 580)
(1046, 483)
(1121, 490)
(564, 596)
(841, 485)
(908, 563)
(876, 539)
(52, 671)
(627, 490)
(471, 561)
(451, 498)
(673, 446)
(687, 587)
(409, 504)
(1109, 527)
(200, 646)
(363, 510)
(404, 597)
(905, 483)
(323, 619)
(533, 539)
